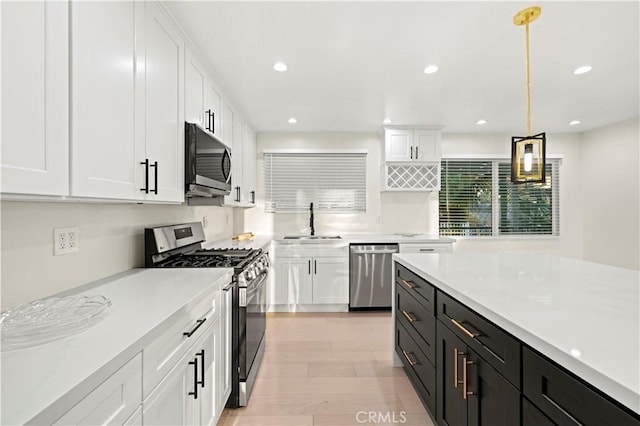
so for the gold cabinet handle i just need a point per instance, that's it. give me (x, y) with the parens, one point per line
(406, 355)
(464, 378)
(410, 316)
(409, 284)
(464, 330)
(455, 367)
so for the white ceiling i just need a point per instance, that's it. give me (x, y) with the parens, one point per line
(352, 64)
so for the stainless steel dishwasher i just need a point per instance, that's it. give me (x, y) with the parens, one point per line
(370, 276)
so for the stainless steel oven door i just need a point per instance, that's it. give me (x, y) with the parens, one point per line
(255, 323)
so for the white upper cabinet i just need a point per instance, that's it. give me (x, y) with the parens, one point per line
(227, 132)
(412, 144)
(237, 158)
(203, 102)
(128, 126)
(249, 166)
(213, 113)
(195, 82)
(164, 117)
(104, 99)
(35, 97)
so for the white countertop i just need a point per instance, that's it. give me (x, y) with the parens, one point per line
(399, 238)
(584, 316)
(68, 368)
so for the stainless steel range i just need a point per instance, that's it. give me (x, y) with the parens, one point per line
(180, 246)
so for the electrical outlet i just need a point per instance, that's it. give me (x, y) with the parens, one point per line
(65, 240)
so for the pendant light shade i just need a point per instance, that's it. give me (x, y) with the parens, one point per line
(528, 153)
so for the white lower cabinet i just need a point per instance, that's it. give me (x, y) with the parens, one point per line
(311, 280)
(113, 402)
(187, 395)
(224, 360)
(135, 419)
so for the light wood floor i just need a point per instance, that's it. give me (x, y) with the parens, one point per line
(329, 369)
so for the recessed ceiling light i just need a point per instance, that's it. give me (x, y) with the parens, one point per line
(387, 121)
(582, 70)
(280, 66)
(430, 69)
(481, 122)
(292, 120)
(574, 122)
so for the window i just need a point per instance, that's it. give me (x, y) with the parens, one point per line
(334, 182)
(477, 198)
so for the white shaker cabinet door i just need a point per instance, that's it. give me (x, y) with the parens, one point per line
(330, 280)
(208, 352)
(224, 349)
(213, 113)
(106, 144)
(195, 83)
(35, 97)
(293, 281)
(249, 165)
(227, 129)
(164, 127)
(237, 158)
(426, 145)
(398, 145)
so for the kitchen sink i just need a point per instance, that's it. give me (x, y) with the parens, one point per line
(312, 237)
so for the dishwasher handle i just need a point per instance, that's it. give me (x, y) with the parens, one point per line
(375, 252)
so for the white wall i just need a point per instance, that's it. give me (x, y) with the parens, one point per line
(611, 191)
(418, 212)
(111, 241)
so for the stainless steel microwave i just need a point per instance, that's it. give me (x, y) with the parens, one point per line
(208, 164)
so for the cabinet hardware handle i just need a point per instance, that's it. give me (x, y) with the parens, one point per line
(315, 267)
(416, 152)
(427, 249)
(195, 378)
(253, 197)
(406, 355)
(465, 393)
(228, 287)
(201, 355)
(409, 284)
(309, 266)
(412, 153)
(145, 163)
(238, 194)
(155, 178)
(410, 316)
(455, 367)
(190, 333)
(461, 327)
(209, 120)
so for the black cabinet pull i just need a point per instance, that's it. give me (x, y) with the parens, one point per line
(412, 153)
(201, 355)
(416, 152)
(190, 333)
(145, 163)
(208, 112)
(253, 197)
(309, 267)
(195, 378)
(315, 267)
(213, 121)
(238, 194)
(155, 178)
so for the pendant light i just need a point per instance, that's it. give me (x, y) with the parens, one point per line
(528, 152)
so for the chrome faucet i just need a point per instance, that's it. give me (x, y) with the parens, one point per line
(313, 231)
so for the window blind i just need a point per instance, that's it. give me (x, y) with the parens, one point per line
(333, 182)
(477, 198)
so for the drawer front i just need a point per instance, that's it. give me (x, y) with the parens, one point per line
(419, 320)
(565, 399)
(161, 355)
(416, 285)
(493, 344)
(113, 401)
(333, 249)
(531, 416)
(426, 248)
(417, 367)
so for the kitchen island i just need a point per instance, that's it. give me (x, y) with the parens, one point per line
(520, 312)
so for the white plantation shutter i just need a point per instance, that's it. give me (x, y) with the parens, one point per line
(477, 198)
(333, 182)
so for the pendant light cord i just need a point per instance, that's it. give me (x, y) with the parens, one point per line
(528, 82)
